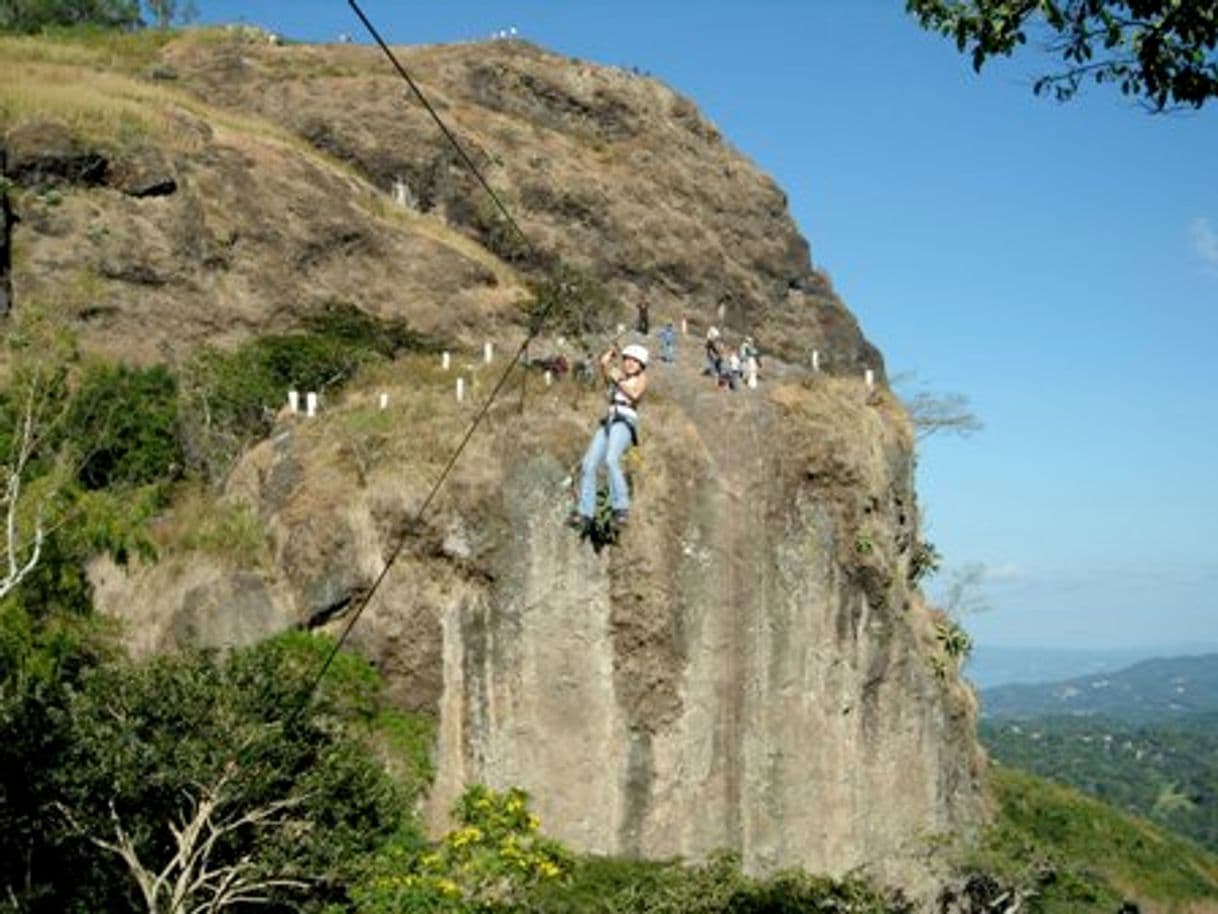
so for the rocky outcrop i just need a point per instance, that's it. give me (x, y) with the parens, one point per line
(258, 188)
(749, 669)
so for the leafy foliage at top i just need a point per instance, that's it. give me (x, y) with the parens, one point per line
(1166, 772)
(36, 15)
(1160, 51)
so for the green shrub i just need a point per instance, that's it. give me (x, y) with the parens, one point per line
(124, 421)
(574, 302)
(487, 864)
(231, 398)
(146, 744)
(717, 887)
(925, 561)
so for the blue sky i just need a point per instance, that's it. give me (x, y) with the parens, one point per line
(1056, 263)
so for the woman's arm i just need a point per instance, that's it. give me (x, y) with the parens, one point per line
(609, 371)
(634, 386)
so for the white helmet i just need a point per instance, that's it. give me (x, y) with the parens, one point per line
(636, 352)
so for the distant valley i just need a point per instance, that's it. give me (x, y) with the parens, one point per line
(1144, 739)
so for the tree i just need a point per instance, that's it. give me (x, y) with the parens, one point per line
(195, 783)
(32, 410)
(34, 15)
(933, 412)
(1160, 51)
(947, 412)
(167, 12)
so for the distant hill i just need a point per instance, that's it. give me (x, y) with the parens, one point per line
(1145, 692)
(994, 665)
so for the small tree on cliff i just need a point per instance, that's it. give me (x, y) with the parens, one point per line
(166, 12)
(1159, 51)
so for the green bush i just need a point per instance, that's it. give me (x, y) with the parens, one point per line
(145, 745)
(487, 864)
(574, 302)
(124, 422)
(718, 887)
(231, 398)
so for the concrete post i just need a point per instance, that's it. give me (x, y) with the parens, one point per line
(293, 402)
(445, 360)
(460, 390)
(869, 377)
(816, 360)
(488, 351)
(311, 404)
(384, 400)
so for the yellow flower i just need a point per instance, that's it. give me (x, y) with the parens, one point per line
(534, 823)
(448, 887)
(548, 869)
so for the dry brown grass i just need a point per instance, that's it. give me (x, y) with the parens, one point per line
(223, 528)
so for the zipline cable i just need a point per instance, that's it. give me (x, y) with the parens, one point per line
(535, 326)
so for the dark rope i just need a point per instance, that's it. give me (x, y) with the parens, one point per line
(534, 329)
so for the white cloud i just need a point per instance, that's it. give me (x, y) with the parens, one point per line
(1205, 241)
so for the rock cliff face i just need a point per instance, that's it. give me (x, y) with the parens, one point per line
(752, 667)
(749, 669)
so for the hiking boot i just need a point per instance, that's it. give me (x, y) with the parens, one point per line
(621, 518)
(577, 521)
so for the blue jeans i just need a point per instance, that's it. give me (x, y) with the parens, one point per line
(607, 446)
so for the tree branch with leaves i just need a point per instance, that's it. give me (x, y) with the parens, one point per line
(1162, 52)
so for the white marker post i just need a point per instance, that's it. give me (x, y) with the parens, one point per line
(384, 401)
(549, 379)
(310, 404)
(445, 360)
(488, 351)
(621, 328)
(399, 193)
(869, 377)
(460, 390)
(816, 360)
(684, 327)
(293, 402)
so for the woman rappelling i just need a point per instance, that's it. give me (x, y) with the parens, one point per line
(617, 431)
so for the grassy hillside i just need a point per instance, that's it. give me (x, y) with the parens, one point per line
(1069, 853)
(1165, 772)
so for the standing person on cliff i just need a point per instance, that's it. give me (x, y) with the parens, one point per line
(668, 342)
(616, 432)
(644, 319)
(714, 355)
